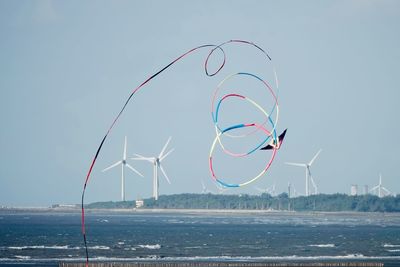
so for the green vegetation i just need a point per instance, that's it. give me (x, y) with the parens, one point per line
(321, 202)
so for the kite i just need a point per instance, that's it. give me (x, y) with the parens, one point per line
(271, 141)
(274, 141)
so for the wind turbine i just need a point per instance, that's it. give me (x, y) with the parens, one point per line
(269, 190)
(382, 191)
(204, 188)
(156, 161)
(123, 164)
(309, 177)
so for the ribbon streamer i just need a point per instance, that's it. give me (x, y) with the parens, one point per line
(271, 136)
(274, 141)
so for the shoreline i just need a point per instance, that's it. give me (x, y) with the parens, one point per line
(14, 210)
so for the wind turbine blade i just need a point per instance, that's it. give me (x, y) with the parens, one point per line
(140, 157)
(314, 158)
(133, 169)
(169, 152)
(386, 190)
(165, 146)
(112, 166)
(125, 149)
(296, 164)
(374, 188)
(145, 159)
(165, 175)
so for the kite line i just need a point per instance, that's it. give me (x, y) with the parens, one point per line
(272, 140)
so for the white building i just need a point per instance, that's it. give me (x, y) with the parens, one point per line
(366, 190)
(139, 203)
(354, 190)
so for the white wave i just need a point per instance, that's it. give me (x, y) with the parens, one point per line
(66, 247)
(393, 250)
(278, 258)
(42, 247)
(390, 246)
(156, 246)
(22, 257)
(212, 258)
(322, 245)
(18, 248)
(57, 247)
(99, 247)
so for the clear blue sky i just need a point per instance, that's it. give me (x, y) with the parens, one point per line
(67, 67)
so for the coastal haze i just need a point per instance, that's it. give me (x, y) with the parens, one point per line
(68, 67)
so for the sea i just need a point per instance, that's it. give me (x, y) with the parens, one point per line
(46, 238)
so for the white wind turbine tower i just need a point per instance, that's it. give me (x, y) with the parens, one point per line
(156, 161)
(123, 164)
(382, 191)
(309, 177)
(294, 190)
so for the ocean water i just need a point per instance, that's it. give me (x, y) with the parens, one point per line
(44, 239)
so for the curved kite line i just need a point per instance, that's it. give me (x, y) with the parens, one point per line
(274, 142)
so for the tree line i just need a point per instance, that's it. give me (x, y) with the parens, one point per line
(320, 202)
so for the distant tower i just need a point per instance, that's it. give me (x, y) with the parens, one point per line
(380, 190)
(156, 161)
(309, 177)
(353, 190)
(289, 189)
(366, 190)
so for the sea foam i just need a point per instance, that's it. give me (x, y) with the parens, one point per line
(322, 245)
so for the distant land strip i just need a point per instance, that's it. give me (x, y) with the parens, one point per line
(209, 203)
(282, 202)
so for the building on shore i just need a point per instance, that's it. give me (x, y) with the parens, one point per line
(354, 190)
(139, 203)
(366, 189)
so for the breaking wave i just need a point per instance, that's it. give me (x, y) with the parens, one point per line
(390, 246)
(156, 246)
(322, 245)
(211, 258)
(66, 247)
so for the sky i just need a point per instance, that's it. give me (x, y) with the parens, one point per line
(67, 67)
